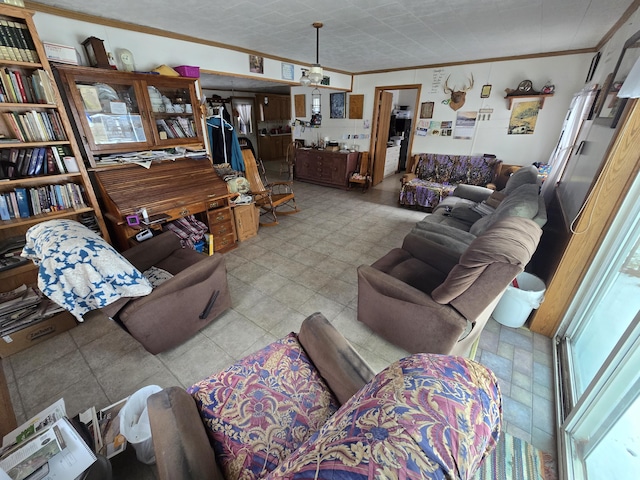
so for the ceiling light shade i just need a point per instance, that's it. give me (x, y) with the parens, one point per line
(316, 74)
(305, 81)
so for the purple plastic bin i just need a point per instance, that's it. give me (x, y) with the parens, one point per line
(188, 71)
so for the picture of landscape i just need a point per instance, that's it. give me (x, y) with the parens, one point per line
(523, 118)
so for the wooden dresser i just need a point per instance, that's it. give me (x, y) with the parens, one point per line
(325, 168)
(173, 189)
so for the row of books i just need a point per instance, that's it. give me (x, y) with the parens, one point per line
(16, 87)
(26, 162)
(34, 126)
(16, 42)
(176, 127)
(23, 202)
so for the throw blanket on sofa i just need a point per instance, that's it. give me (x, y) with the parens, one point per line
(438, 175)
(78, 269)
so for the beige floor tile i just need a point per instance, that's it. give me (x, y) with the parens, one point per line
(42, 354)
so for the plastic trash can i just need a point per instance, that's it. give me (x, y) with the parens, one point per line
(516, 304)
(135, 425)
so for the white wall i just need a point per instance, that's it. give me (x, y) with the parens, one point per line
(150, 51)
(566, 72)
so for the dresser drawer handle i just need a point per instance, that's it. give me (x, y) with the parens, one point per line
(184, 212)
(225, 242)
(222, 230)
(214, 205)
(220, 217)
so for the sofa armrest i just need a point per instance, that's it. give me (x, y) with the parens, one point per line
(148, 253)
(179, 438)
(474, 193)
(339, 364)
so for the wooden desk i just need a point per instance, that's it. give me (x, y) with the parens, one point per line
(174, 188)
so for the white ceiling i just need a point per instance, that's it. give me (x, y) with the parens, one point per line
(365, 35)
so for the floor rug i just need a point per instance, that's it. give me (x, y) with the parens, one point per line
(515, 459)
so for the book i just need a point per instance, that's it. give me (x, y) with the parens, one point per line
(18, 40)
(4, 37)
(58, 158)
(70, 164)
(23, 202)
(11, 39)
(26, 41)
(4, 209)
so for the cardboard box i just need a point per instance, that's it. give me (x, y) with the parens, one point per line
(34, 334)
(60, 53)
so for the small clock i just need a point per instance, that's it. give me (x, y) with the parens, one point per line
(525, 86)
(125, 60)
(96, 53)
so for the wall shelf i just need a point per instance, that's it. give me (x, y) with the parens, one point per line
(541, 96)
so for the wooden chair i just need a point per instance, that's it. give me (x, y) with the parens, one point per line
(270, 197)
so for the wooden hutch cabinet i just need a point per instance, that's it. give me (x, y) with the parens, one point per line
(41, 165)
(121, 112)
(324, 167)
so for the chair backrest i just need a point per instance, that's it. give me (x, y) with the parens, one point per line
(488, 265)
(251, 171)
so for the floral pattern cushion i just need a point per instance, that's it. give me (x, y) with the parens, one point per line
(78, 269)
(445, 172)
(425, 416)
(260, 410)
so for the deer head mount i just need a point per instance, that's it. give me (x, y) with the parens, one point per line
(457, 96)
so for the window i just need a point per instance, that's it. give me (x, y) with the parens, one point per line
(243, 109)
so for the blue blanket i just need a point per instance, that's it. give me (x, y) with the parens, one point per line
(78, 269)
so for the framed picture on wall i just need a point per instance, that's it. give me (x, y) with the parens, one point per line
(337, 101)
(426, 110)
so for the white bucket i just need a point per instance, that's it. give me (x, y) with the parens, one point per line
(135, 426)
(516, 304)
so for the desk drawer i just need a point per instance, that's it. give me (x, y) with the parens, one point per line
(183, 211)
(221, 215)
(223, 241)
(220, 229)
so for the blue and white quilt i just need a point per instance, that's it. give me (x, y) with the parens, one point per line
(78, 269)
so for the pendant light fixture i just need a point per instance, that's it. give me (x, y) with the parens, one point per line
(315, 75)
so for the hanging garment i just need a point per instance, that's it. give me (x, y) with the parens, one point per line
(227, 150)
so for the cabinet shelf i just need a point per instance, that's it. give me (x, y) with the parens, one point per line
(25, 106)
(33, 219)
(11, 63)
(19, 144)
(39, 180)
(541, 96)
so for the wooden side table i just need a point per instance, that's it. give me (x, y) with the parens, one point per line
(247, 219)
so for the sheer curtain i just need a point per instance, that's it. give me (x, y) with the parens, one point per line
(244, 112)
(577, 114)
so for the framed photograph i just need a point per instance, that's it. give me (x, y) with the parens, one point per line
(486, 91)
(426, 109)
(256, 64)
(594, 64)
(287, 71)
(337, 101)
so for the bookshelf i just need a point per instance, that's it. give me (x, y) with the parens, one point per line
(42, 175)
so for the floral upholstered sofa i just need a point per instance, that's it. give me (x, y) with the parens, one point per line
(307, 406)
(435, 176)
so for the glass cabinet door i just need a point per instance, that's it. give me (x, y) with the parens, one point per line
(174, 119)
(112, 114)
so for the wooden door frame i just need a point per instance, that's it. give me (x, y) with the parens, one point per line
(374, 118)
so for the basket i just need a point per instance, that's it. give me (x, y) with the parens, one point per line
(188, 71)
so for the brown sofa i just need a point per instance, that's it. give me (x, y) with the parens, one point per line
(178, 308)
(425, 297)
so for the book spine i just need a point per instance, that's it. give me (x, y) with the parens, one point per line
(13, 46)
(23, 202)
(14, 204)
(26, 41)
(50, 162)
(58, 159)
(17, 42)
(20, 84)
(13, 125)
(4, 209)
(7, 50)
(8, 85)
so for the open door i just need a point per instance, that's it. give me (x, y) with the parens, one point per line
(380, 134)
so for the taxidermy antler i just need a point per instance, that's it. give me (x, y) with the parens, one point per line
(457, 96)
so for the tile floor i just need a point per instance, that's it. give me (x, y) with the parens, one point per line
(305, 264)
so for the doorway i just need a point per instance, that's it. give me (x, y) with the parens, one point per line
(394, 115)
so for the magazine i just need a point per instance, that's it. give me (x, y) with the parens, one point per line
(113, 442)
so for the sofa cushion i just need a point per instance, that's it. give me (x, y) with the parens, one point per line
(260, 410)
(522, 176)
(522, 202)
(425, 416)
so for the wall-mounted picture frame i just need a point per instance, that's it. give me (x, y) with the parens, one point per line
(426, 109)
(486, 91)
(356, 106)
(256, 64)
(286, 71)
(337, 101)
(594, 65)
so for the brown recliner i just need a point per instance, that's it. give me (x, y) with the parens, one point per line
(425, 298)
(178, 308)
